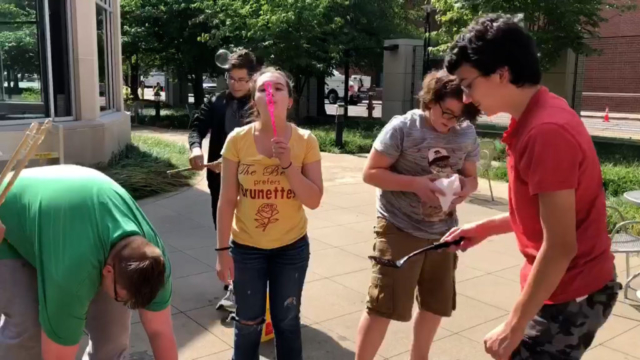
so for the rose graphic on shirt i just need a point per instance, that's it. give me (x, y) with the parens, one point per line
(266, 215)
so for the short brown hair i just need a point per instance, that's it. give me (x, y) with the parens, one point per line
(255, 115)
(439, 86)
(243, 59)
(140, 271)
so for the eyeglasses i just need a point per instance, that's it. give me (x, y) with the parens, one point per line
(126, 303)
(230, 79)
(449, 116)
(467, 88)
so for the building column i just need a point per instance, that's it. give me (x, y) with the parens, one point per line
(117, 55)
(85, 59)
(402, 76)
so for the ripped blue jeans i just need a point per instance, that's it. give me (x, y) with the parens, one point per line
(284, 270)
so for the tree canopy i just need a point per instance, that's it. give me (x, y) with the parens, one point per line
(307, 38)
(555, 25)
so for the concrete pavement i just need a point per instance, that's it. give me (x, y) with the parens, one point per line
(337, 282)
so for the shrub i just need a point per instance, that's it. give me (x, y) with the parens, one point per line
(31, 94)
(170, 118)
(141, 167)
(619, 179)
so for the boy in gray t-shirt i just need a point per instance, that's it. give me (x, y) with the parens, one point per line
(412, 151)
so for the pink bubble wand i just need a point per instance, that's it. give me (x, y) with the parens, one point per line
(271, 106)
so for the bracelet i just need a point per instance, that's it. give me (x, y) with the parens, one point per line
(223, 248)
(290, 163)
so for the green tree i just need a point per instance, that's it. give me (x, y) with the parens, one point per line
(309, 38)
(19, 42)
(168, 35)
(555, 25)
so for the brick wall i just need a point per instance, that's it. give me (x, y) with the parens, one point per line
(617, 69)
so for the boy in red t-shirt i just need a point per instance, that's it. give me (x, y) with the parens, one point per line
(556, 198)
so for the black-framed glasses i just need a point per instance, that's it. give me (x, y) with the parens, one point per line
(448, 115)
(115, 289)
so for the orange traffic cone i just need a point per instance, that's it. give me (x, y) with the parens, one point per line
(267, 329)
(606, 115)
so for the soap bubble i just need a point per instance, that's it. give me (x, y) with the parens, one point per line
(222, 58)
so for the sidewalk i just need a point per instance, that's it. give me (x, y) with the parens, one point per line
(338, 278)
(620, 126)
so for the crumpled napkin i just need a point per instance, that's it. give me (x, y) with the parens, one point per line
(450, 186)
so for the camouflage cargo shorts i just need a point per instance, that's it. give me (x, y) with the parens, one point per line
(565, 331)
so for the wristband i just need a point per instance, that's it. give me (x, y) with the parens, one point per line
(223, 248)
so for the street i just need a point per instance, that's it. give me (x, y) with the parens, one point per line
(357, 110)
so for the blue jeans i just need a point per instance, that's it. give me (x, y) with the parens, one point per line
(284, 269)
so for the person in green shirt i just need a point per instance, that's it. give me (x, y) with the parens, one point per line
(78, 254)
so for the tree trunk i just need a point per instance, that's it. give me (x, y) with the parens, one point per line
(198, 91)
(134, 81)
(16, 82)
(299, 92)
(9, 82)
(321, 109)
(183, 83)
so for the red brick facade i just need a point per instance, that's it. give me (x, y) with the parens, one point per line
(613, 78)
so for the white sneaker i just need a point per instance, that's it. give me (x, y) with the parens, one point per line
(228, 302)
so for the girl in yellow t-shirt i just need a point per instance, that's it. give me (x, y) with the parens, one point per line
(262, 227)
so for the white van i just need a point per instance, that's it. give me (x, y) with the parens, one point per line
(334, 89)
(154, 78)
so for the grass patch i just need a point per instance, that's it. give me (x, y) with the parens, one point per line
(357, 138)
(628, 210)
(355, 141)
(141, 167)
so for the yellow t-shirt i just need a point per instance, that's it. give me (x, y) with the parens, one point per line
(268, 215)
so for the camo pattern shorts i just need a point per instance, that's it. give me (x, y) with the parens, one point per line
(565, 331)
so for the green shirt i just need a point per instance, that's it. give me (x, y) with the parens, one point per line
(64, 220)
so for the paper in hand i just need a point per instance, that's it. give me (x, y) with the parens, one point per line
(450, 186)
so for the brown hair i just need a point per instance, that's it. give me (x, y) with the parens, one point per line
(243, 59)
(140, 271)
(439, 86)
(254, 113)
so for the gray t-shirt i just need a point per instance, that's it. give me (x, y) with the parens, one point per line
(419, 150)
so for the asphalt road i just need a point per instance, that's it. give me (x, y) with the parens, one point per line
(357, 110)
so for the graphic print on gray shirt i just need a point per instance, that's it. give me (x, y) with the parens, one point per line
(419, 150)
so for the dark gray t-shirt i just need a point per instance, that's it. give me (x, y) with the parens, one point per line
(419, 150)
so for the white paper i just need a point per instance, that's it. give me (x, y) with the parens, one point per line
(450, 186)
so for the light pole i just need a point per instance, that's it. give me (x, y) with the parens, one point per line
(427, 39)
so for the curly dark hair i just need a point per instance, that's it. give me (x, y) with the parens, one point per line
(493, 42)
(439, 86)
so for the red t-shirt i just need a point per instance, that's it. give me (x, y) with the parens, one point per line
(549, 149)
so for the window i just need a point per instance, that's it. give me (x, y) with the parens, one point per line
(104, 21)
(33, 84)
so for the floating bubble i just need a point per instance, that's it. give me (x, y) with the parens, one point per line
(222, 58)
